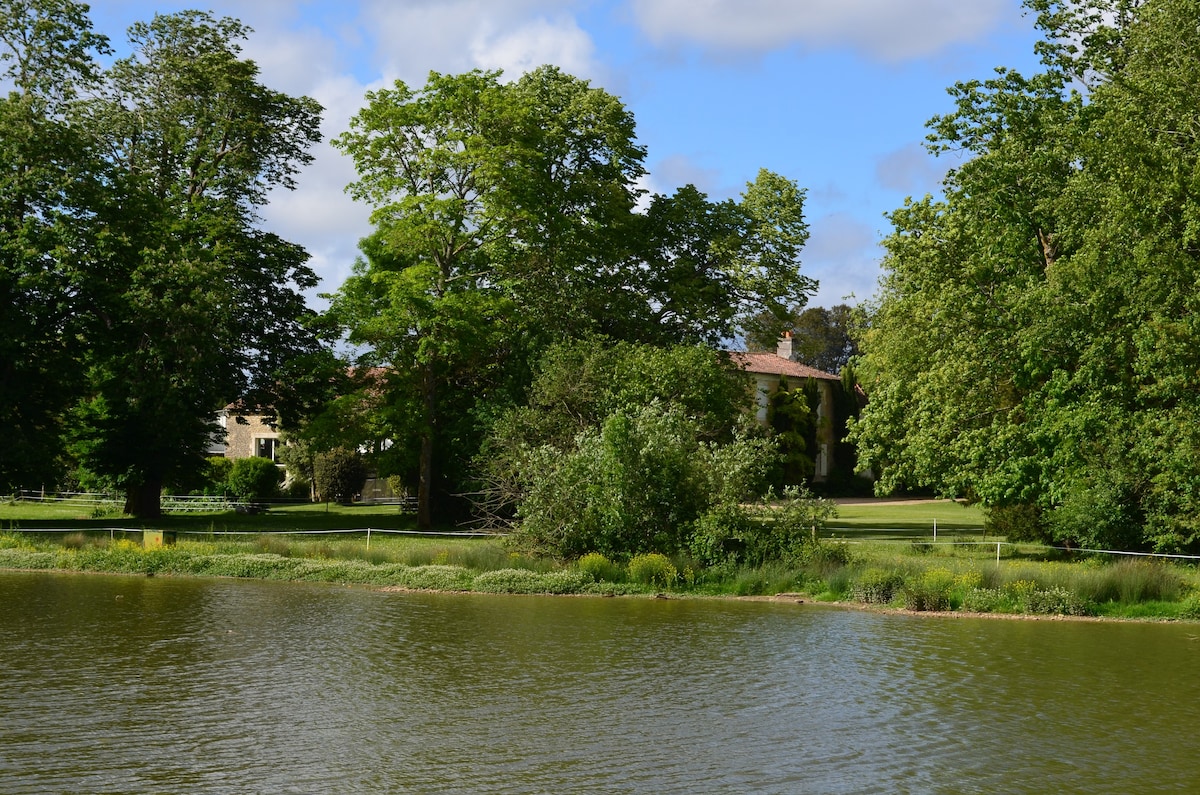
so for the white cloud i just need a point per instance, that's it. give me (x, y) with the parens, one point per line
(516, 35)
(843, 255)
(910, 170)
(675, 171)
(539, 42)
(885, 29)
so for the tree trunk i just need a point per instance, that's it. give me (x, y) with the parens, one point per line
(144, 500)
(425, 478)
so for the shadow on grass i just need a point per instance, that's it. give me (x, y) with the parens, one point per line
(279, 520)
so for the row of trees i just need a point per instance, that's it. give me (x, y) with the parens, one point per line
(506, 220)
(141, 293)
(1035, 344)
(138, 292)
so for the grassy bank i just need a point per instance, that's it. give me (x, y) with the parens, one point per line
(881, 554)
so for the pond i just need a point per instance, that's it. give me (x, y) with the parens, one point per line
(125, 684)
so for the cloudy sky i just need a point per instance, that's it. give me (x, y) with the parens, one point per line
(831, 93)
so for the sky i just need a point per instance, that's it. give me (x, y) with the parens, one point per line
(833, 94)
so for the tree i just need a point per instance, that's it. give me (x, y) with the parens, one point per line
(254, 479)
(716, 269)
(506, 218)
(821, 337)
(622, 448)
(193, 305)
(1034, 343)
(47, 51)
(338, 474)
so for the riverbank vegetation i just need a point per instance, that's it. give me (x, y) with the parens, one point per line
(868, 561)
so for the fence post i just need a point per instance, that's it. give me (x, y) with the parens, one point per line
(935, 531)
(997, 553)
(368, 538)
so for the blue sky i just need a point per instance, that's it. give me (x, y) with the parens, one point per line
(831, 93)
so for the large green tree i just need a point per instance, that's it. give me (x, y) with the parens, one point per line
(1035, 340)
(506, 217)
(47, 51)
(191, 303)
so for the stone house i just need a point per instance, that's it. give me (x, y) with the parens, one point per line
(246, 433)
(769, 370)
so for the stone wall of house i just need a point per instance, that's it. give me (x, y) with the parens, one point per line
(250, 435)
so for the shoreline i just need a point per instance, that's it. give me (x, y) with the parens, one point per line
(797, 598)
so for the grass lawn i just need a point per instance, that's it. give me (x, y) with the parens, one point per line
(307, 516)
(907, 520)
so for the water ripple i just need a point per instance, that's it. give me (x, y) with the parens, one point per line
(152, 685)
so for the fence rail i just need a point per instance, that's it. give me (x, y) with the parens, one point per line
(183, 503)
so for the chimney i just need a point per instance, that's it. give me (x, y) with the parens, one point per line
(784, 348)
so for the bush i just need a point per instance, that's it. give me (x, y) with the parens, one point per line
(929, 591)
(599, 568)
(1189, 608)
(216, 475)
(719, 537)
(1015, 523)
(254, 479)
(877, 586)
(339, 474)
(639, 482)
(652, 569)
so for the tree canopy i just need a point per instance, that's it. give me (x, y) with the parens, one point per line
(1035, 339)
(146, 291)
(506, 217)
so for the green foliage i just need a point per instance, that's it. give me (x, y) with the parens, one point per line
(217, 469)
(525, 581)
(635, 484)
(622, 448)
(877, 586)
(792, 415)
(653, 569)
(136, 281)
(254, 479)
(47, 59)
(339, 474)
(929, 590)
(507, 217)
(1190, 607)
(786, 533)
(1020, 522)
(1035, 340)
(600, 568)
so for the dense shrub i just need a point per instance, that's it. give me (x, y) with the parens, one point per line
(1015, 523)
(929, 590)
(786, 533)
(338, 474)
(653, 569)
(254, 479)
(599, 568)
(216, 475)
(877, 586)
(636, 484)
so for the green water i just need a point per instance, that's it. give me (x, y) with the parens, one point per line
(132, 685)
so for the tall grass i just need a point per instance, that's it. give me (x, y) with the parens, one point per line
(948, 577)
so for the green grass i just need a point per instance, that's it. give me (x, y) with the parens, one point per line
(305, 516)
(907, 520)
(880, 544)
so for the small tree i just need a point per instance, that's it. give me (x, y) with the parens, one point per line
(254, 479)
(338, 474)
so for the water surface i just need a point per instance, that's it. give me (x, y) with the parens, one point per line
(129, 685)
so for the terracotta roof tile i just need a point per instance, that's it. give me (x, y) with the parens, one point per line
(771, 364)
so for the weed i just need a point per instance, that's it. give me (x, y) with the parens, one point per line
(653, 569)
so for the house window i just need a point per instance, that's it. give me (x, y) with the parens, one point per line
(267, 448)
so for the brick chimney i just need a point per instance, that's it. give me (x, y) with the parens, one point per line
(784, 349)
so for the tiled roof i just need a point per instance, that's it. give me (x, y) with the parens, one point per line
(771, 364)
